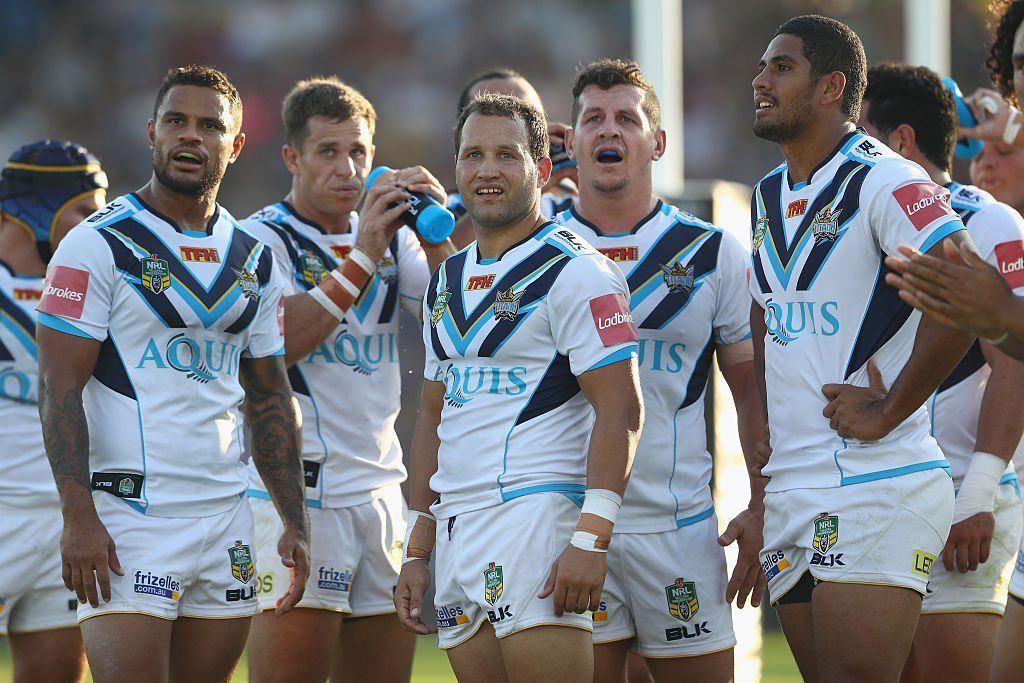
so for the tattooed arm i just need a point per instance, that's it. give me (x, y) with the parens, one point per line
(87, 551)
(273, 423)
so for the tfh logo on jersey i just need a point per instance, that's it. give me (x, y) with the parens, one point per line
(440, 304)
(796, 208)
(826, 225)
(340, 252)
(494, 583)
(160, 585)
(200, 254)
(682, 599)
(64, 292)
(619, 254)
(241, 562)
(156, 276)
(678, 278)
(826, 532)
(1010, 256)
(923, 203)
(506, 304)
(248, 282)
(476, 282)
(27, 294)
(613, 320)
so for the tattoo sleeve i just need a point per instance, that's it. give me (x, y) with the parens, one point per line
(65, 436)
(274, 427)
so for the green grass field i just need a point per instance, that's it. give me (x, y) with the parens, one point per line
(431, 664)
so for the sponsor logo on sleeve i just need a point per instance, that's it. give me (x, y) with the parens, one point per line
(64, 292)
(1010, 256)
(923, 203)
(613, 320)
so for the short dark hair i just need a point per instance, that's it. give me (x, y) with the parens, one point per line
(325, 96)
(914, 95)
(498, 74)
(489, 104)
(1000, 58)
(204, 77)
(831, 46)
(605, 73)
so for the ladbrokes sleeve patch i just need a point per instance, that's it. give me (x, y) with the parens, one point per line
(923, 203)
(1010, 256)
(613, 320)
(64, 292)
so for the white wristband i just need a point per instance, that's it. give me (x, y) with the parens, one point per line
(978, 489)
(584, 540)
(603, 503)
(410, 524)
(1014, 122)
(362, 260)
(321, 298)
(345, 283)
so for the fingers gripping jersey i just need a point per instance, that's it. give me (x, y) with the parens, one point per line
(508, 337)
(26, 479)
(688, 293)
(348, 387)
(175, 312)
(818, 273)
(997, 230)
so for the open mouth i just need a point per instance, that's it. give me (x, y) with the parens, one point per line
(489, 192)
(762, 103)
(187, 160)
(609, 156)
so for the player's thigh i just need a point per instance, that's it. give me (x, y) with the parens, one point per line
(797, 621)
(296, 646)
(843, 633)
(479, 658)
(373, 648)
(123, 648)
(206, 650)
(1008, 660)
(715, 667)
(610, 660)
(554, 653)
(955, 646)
(54, 656)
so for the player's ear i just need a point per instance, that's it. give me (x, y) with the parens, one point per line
(834, 87)
(290, 156)
(660, 140)
(151, 133)
(543, 171)
(236, 147)
(903, 139)
(570, 143)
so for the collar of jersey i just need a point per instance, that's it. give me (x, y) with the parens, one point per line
(540, 233)
(844, 146)
(659, 207)
(136, 200)
(286, 208)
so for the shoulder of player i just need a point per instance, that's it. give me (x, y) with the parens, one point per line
(568, 240)
(266, 231)
(994, 224)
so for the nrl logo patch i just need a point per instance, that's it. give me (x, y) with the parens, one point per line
(506, 304)
(440, 304)
(313, 270)
(241, 562)
(126, 487)
(682, 599)
(494, 583)
(760, 228)
(248, 282)
(678, 278)
(826, 225)
(826, 532)
(156, 276)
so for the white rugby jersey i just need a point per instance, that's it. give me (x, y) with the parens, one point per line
(997, 230)
(175, 311)
(349, 386)
(27, 480)
(818, 272)
(688, 293)
(508, 337)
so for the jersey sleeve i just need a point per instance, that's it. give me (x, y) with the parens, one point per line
(998, 230)
(732, 314)
(283, 249)
(79, 286)
(905, 207)
(589, 314)
(413, 271)
(267, 336)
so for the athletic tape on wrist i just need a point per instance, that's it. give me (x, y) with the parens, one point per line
(597, 519)
(363, 260)
(321, 298)
(978, 489)
(420, 534)
(1013, 125)
(346, 284)
(585, 540)
(341, 288)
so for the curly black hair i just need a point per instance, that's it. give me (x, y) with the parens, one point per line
(1000, 58)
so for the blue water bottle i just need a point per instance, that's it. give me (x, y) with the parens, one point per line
(966, 148)
(430, 220)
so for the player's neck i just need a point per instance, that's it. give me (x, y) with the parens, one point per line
(332, 223)
(814, 145)
(19, 251)
(615, 212)
(189, 213)
(492, 243)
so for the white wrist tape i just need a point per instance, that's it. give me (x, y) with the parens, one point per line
(978, 490)
(345, 283)
(586, 541)
(1014, 122)
(595, 535)
(417, 539)
(603, 503)
(363, 260)
(321, 298)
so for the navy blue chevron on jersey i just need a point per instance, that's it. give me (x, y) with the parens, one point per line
(508, 338)
(348, 387)
(27, 481)
(688, 295)
(818, 273)
(997, 230)
(175, 311)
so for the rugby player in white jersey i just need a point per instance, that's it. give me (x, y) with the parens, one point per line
(665, 593)
(48, 187)
(159, 324)
(345, 375)
(977, 414)
(531, 408)
(859, 499)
